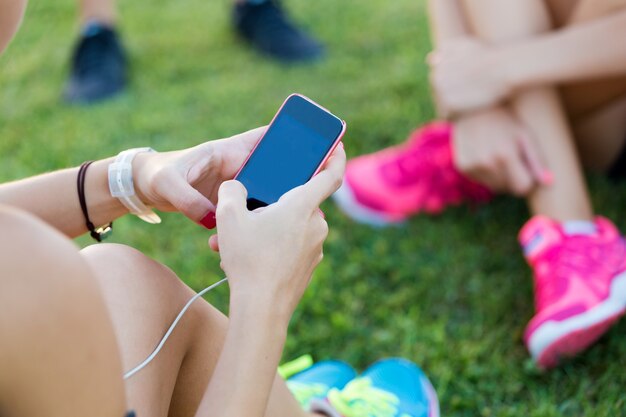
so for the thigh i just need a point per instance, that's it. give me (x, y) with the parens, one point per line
(562, 10)
(58, 353)
(583, 100)
(601, 135)
(144, 297)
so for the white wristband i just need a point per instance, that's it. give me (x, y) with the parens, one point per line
(121, 185)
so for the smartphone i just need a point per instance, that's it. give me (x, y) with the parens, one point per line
(292, 150)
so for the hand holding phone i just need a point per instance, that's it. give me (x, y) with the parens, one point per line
(270, 254)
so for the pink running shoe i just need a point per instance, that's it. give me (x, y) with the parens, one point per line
(390, 185)
(580, 286)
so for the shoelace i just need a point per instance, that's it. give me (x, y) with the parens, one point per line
(360, 399)
(304, 392)
(289, 369)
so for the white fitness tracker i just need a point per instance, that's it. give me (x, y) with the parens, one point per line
(121, 185)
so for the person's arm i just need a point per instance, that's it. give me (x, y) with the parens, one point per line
(446, 21)
(268, 256)
(473, 74)
(586, 51)
(168, 181)
(487, 140)
(53, 197)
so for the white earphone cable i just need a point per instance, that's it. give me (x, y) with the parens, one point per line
(171, 329)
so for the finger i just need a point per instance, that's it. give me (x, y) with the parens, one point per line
(231, 200)
(433, 58)
(493, 179)
(214, 243)
(519, 178)
(184, 197)
(325, 183)
(533, 160)
(250, 138)
(209, 221)
(246, 140)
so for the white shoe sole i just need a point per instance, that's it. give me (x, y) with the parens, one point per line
(552, 331)
(347, 202)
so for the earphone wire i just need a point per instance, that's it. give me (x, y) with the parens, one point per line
(171, 329)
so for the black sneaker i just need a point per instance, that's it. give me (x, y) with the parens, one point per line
(266, 26)
(98, 66)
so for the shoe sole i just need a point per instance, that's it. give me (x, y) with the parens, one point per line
(555, 340)
(433, 400)
(346, 201)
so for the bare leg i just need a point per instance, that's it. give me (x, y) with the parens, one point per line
(598, 108)
(103, 11)
(601, 136)
(144, 297)
(58, 354)
(539, 109)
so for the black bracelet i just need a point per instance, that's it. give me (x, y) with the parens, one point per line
(100, 233)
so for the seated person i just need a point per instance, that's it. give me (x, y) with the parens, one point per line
(533, 95)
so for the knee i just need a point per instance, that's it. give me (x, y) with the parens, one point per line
(507, 21)
(117, 262)
(127, 276)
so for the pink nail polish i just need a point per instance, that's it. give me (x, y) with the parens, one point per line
(208, 221)
(548, 177)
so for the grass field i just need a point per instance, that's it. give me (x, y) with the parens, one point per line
(451, 293)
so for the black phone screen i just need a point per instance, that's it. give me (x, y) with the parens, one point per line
(290, 152)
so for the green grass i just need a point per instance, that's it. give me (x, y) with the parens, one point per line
(452, 293)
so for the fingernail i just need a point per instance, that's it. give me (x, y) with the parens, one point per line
(208, 221)
(547, 177)
(319, 210)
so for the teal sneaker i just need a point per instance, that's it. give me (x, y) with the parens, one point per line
(315, 382)
(389, 388)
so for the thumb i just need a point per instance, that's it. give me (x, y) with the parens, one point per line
(185, 198)
(231, 200)
(214, 243)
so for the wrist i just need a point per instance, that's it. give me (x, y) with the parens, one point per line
(258, 306)
(139, 162)
(514, 66)
(123, 178)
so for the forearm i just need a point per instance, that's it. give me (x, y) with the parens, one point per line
(446, 21)
(53, 197)
(583, 52)
(246, 369)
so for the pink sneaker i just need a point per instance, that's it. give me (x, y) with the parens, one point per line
(580, 286)
(390, 185)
